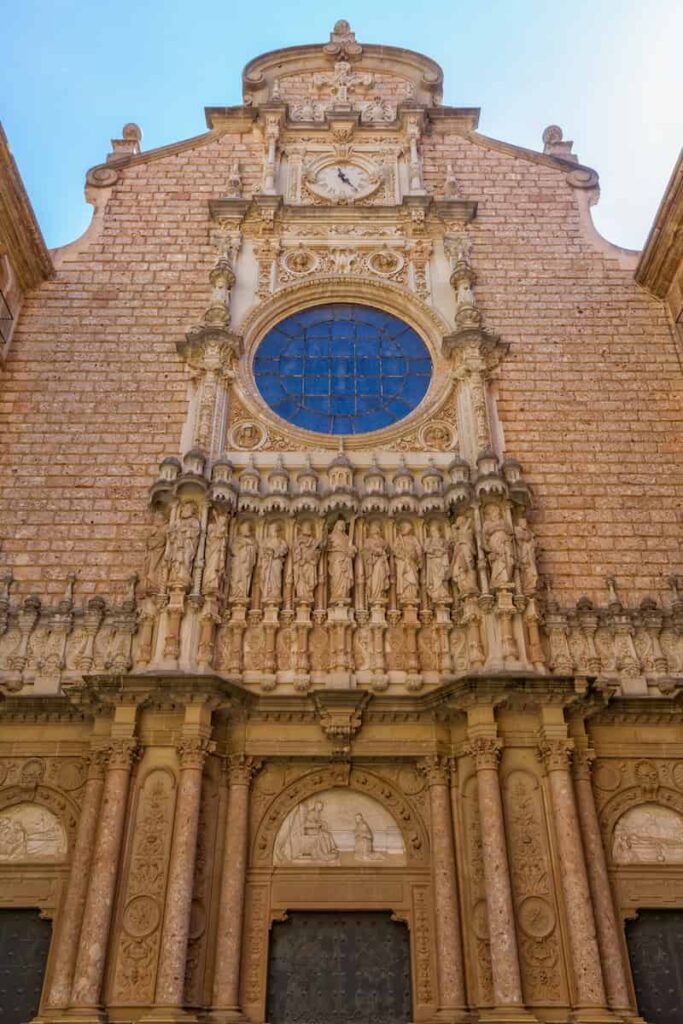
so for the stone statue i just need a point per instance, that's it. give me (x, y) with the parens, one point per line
(375, 560)
(497, 540)
(362, 839)
(154, 577)
(216, 543)
(243, 560)
(272, 553)
(181, 544)
(340, 552)
(305, 563)
(437, 565)
(464, 566)
(407, 557)
(526, 553)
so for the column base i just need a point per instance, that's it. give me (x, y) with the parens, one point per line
(595, 1015)
(169, 1015)
(231, 1015)
(508, 1015)
(80, 1014)
(453, 1015)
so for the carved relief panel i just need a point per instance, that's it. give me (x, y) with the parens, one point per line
(533, 887)
(476, 936)
(141, 901)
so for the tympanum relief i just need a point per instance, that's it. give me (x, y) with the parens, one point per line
(339, 828)
(29, 832)
(648, 834)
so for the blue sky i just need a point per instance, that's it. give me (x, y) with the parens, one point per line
(610, 72)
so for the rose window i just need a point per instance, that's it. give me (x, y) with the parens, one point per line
(342, 369)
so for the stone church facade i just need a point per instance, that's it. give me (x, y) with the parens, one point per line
(339, 618)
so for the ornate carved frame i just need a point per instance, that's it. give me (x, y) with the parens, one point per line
(318, 290)
(406, 892)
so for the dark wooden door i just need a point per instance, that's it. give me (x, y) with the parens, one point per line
(24, 945)
(339, 968)
(655, 946)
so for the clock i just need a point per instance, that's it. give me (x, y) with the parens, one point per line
(342, 181)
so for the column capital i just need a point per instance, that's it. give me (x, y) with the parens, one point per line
(123, 753)
(242, 769)
(582, 763)
(435, 769)
(97, 763)
(192, 752)
(485, 750)
(556, 754)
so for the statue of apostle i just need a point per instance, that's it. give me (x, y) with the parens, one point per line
(272, 553)
(497, 537)
(464, 566)
(340, 553)
(437, 565)
(181, 544)
(407, 558)
(242, 561)
(375, 560)
(305, 562)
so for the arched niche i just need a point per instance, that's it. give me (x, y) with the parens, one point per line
(30, 833)
(648, 834)
(339, 828)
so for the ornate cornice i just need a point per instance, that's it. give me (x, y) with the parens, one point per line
(662, 256)
(20, 234)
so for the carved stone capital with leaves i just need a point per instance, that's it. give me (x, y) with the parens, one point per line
(435, 769)
(122, 754)
(192, 752)
(486, 751)
(582, 762)
(242, 769)
(97, 763)
(555, 754)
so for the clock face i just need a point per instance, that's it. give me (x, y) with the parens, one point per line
(343, 181)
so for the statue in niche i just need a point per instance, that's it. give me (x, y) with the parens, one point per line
(340, 553)
(154, 576)
(215, 552)
(498, 545)
(305, 562)
(272, 553)
(464, 567)
(526, 553)
(182, 543)
(437, 564)
(243, 559)
(407, 557)
(375, 561)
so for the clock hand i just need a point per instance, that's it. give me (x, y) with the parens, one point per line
(347, 181)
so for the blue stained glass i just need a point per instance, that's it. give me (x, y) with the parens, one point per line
(342, 369)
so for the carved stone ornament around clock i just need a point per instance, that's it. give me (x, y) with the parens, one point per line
(346, 181)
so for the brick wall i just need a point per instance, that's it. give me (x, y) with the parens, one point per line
(94, 393)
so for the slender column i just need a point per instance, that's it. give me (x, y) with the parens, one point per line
(226, 1004)
(507, 983)
(450, 964)
(71, 913)
(171, 978)
(618, 992)
(94, 937)
(590, 991)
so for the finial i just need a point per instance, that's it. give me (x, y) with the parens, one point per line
(554, 143)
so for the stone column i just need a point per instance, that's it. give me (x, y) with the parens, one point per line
(507, 983)
(92, 949)
(225, 1004)
(608, 929)
(71, 911)
(450, 963)
(589, 988)
(192, 754)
